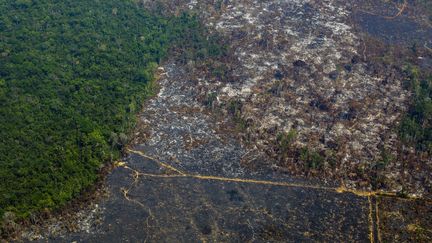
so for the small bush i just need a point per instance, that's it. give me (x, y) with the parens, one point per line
(285, 140)
(312, 159)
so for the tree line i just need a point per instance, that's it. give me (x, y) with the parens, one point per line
(73, 74)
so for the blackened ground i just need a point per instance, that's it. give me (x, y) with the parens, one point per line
(184, 209)
(189, 178)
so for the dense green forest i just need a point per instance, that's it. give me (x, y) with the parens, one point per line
(416, 126)
(73, 74)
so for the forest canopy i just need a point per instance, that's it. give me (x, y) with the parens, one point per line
(73, 74)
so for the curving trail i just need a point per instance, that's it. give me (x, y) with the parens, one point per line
(166, 190)
(191, 179)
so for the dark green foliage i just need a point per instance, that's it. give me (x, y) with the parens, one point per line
(72, 76)
(197, 43)
(312, 159)
(416, 128)
(285, 140)
(235, 109)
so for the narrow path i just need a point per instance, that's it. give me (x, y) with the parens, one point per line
(186, 180)
(373, 204)
(171, 191)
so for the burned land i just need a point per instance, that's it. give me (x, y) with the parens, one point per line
(319, 88)
(312, 123)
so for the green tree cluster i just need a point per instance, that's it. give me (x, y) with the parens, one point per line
(72, 76)
(416, 127)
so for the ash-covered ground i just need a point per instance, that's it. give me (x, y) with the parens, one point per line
(317, 87)
(279, 139)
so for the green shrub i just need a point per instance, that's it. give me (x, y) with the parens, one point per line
(312, 159)
(416, 127)
(285, 140)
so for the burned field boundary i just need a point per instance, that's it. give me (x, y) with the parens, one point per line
(320, 89)
(291, 134)
(376, 212)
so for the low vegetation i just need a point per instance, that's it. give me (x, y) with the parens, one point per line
(416, 126)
